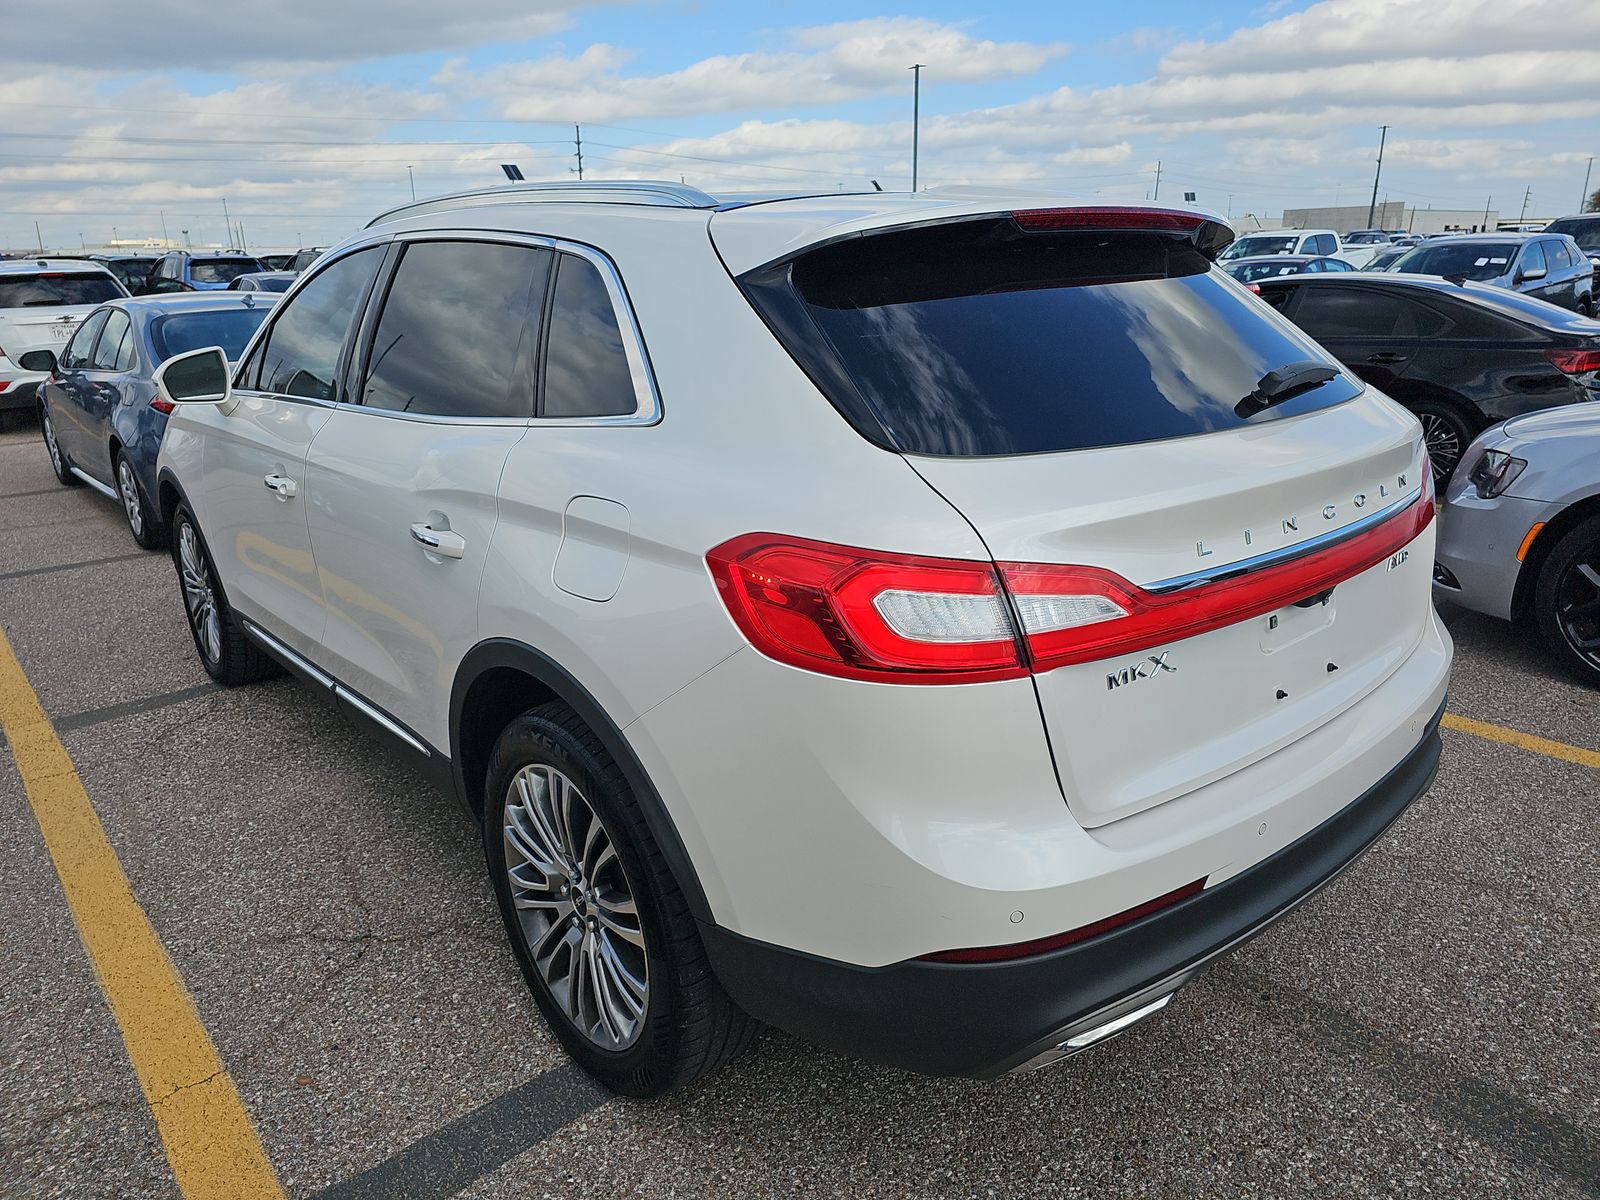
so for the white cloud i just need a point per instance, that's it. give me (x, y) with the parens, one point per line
(219, 35)
(828, 64)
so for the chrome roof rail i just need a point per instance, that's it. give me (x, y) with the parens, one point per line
(649, 192)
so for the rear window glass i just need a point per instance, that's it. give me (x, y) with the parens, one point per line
(49, 290)
(1249, 272)
(975, 338)
(1583, 230)
(229, 328)
(221, 270)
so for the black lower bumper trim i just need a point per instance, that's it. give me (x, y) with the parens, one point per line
(981, 1020)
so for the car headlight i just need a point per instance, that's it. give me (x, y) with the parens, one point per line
(1495, 472)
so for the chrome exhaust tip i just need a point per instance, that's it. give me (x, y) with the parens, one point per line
(1095, 1034)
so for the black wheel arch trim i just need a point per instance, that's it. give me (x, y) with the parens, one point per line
(1556, 528)
(496, 653)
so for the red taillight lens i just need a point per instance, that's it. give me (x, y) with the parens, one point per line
(899, 618)
(1115, 217)
(160, 405)
(1574, 362)
(1254, 287)
(984, 954)
(865, 614)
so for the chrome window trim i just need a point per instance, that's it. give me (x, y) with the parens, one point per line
(647, 397)
(1272, 558)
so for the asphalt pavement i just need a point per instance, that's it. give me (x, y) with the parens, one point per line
(1428, 1025)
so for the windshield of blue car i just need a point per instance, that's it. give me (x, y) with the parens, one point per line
(1474, 260)
(1249, 247)
(53, 289)
(221, 270)
(230, 328)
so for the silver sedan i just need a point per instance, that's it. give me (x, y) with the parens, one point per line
(1519, 537)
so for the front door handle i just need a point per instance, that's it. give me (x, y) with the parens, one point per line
(284, 486)
(1387, 358)
(439, 541)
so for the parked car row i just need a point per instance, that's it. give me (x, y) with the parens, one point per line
(1095, 655)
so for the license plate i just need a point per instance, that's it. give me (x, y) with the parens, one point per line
(62, 332)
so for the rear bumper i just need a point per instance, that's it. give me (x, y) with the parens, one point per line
(984, 1020)
(1478, 541)
(23, 393)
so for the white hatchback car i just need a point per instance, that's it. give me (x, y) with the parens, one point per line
(934, 624)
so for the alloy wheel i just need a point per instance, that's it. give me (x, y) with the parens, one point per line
(575, 907)
(128, 487)
(198, 596)
(1444, 446)
(1578, 608)
(50, 443)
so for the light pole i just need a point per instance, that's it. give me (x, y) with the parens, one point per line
(1382, 138)
(1583, 197)
(413, 180)
(916, 117)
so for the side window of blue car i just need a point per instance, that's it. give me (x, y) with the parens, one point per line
(1532, 258)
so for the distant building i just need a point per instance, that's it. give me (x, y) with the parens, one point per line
(1392, 214)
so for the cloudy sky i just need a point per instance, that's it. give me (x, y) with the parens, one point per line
(304, 115)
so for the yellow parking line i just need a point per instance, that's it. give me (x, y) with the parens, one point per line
(1523, 741)
(209, 1139)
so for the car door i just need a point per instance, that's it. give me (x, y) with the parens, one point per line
(1531, 273)
(67, 392)
(1374, 332)
(254, 494)
(402, 483)
(101, 386)
(1566, 279)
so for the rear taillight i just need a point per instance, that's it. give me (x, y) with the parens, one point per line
(1254, 287)
(897, 618)
(1574, 362)
(1114, 217)
(865, 614)
(160, 405)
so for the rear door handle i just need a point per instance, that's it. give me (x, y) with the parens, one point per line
(439, 541)
(1387, 358)
(284, 486)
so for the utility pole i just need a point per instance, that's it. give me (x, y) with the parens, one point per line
(38, 235)
(82, 243)
(1583, 198)
(227, 222)
(1230, 206)
(413, 180)
(1157, 194)
(916, 117)
(577, 135)
(1486, 205)
(1383, 137)
(1526, 196)
(166, 242)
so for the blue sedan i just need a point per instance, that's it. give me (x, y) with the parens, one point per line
(99, 411)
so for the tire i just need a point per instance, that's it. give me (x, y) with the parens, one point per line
(59, 462)
(226, 652)
(143, 520)
(1566, 601)
(680, 1024)
(1447, 432)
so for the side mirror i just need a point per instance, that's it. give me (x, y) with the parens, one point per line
(198, 377)
(1531, 273)
(38, 360)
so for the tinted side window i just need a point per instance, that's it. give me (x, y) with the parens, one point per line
(108, 351)
(454, 339)
(1332, 312)
(1533, 258)
(303, 345)
(77, 350)
(1557, 253)
(586, 371)
(1327, 244)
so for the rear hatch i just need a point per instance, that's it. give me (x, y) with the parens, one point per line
(41, 311)
(1122, 423)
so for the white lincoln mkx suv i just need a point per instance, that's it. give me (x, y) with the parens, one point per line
(937, 625)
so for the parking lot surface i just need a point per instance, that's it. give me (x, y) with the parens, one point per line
(1428, 1025)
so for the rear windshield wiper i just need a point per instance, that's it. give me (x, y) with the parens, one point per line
(1277, 386)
